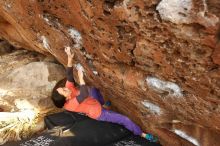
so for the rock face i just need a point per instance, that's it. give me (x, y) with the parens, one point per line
(25, 90)
(5, 47)
(157, 60)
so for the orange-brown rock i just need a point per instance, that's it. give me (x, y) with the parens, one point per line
(156, 60)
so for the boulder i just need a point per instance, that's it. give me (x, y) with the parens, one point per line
(25, 90)
(156, 60)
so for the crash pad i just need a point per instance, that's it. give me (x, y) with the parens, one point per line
(74, 129)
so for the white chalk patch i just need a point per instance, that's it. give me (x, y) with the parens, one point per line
(176, 121)
(210, 20)
(176, 11)
(3, 92)
(123, 4)
(8, 6)
(88, 56)
(187, 137)
(45, 42)
(205, 6)
(180, 60)
(126, 2)
(152, 107)
(95, 72)
(79, 67)
(159, 85)
(76, 36)
(46, 19)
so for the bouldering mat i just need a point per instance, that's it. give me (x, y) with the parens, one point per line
(73, 129)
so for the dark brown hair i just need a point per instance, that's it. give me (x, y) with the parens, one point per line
(58, 100)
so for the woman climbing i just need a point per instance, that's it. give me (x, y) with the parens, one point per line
(90, 101)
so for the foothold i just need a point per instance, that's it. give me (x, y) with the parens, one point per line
(76, 36)
(163, 86)
(187, 137)
(152, 107)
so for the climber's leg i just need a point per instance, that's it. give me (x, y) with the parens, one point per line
(110, 116)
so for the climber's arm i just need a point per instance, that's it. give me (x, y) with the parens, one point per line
(81, 76)
(69, 75)
(84, 93)
(83, 88)
(69, 69)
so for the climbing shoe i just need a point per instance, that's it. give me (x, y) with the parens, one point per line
(107, 105)
(151, 138)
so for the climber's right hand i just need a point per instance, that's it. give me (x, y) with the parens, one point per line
(69, 53)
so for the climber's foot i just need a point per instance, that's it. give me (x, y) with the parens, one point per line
(151, 138)
(107, 104)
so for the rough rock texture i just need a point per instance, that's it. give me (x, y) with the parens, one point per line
(25, 90)
(5, 47)
(157, 60)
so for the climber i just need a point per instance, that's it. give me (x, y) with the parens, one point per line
(79, 100)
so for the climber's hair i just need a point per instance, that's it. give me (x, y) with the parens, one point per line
(58, 100)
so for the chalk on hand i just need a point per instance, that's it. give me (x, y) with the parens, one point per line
(79, 67)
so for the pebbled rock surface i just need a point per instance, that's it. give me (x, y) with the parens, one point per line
(156, 60)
